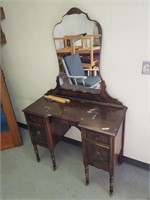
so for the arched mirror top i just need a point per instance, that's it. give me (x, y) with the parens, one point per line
(78, 41)
(77, 23)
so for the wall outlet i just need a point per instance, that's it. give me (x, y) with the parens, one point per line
(146, 67)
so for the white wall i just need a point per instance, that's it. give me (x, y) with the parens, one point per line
(30, 64)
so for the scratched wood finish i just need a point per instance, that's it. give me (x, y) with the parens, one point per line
(83, 114)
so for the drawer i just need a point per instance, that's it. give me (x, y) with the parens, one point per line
(37, 132)
(35, 119)
(97, 137)
(59, 127)
(98, 156)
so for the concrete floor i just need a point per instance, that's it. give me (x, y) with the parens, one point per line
(23, 178)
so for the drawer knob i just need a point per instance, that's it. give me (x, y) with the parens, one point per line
(97, 137)
(38, 132)
(98, 153)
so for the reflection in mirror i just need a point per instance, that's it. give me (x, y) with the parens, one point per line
(4, 124)
(78, 42)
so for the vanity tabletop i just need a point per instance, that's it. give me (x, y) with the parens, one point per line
(100, 118)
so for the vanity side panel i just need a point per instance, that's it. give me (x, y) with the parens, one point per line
(118, 143)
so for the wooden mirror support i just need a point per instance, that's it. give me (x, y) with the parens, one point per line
(74, 91)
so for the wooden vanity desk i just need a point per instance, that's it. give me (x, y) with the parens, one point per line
(99, 117)
(99, 123)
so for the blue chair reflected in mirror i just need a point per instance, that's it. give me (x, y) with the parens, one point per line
(77, 75)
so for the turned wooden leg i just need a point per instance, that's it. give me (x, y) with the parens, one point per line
(53, 160)
(111, 185)
(36, 152)
(86, 175)
(50, 141)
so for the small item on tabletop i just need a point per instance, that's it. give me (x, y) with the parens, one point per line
(57, 99)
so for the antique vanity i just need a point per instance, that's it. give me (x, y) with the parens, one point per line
(99, 117)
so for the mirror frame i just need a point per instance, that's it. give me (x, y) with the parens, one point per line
(81, 92)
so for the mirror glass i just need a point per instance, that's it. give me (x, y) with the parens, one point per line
(78, 45)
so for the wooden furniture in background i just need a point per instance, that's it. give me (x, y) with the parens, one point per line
(88, 52)
(9, 137)
(9, 133)
(82, 45)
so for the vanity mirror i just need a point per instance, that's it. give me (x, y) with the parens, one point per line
(78, 45)
(78, 42)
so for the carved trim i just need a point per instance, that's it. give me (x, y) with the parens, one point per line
(74, 10)
(86, 94)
